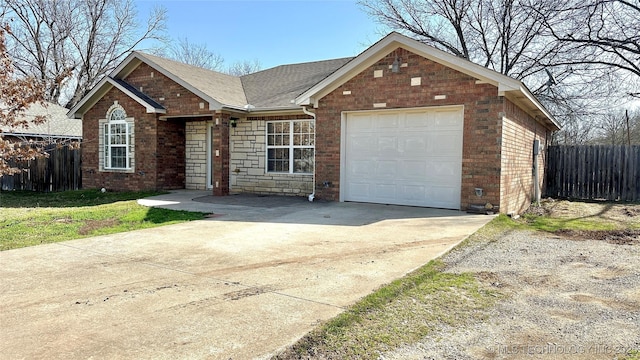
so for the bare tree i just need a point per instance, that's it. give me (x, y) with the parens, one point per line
(571, 53)
(504, 35)
(612, 129)
(196, 54)
(16, 95)
(608, 29)
(621, 127)
(85, 39)
(244, 67)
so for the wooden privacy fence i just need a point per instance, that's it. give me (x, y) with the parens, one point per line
(593, 172)
(59, 172)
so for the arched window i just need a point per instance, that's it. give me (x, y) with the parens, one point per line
(118, 139)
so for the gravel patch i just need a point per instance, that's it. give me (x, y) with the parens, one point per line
(565, 297)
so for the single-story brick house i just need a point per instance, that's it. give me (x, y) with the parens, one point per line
(401, 123)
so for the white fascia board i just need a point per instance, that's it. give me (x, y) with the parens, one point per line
(540, 107)
(75, 113)
(150, 109)
(276, 109)
(119, 72)
(213, 103)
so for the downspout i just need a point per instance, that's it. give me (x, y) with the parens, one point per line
(312, 114)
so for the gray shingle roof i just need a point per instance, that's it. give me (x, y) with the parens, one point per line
(57, 124)
(224, 88)
(278, 86)
(139, 94)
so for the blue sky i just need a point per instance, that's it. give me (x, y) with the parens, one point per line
(275, 32)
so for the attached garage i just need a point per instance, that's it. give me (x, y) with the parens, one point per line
(407, 157)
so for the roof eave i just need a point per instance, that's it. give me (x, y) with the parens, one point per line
(102, 88)
(89, 100)
(276, 108)
(535, 108)
(149, 108)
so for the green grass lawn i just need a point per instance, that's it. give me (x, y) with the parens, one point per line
(29, 218)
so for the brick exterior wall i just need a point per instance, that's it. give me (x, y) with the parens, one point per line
(160, 153)
(171, 154)
(248, 161)
(144, 175)
(519, 130)
(221, 154)
(483, 110)
(177, 100)
(189, 171)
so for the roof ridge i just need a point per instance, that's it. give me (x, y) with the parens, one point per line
(301, 63)
(181, 63)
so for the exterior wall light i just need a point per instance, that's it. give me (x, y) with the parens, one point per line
(233, 122)
(395, 67)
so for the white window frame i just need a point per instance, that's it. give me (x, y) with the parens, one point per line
(290, 146)
(106, 148)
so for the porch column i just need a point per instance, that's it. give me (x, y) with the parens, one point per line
(220, 154)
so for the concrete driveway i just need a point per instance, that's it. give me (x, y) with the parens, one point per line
(245, 283)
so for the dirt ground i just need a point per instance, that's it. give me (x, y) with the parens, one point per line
(565, 295)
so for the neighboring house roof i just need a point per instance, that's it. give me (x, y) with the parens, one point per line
(278, 86)
(512, 89)
(56, 125)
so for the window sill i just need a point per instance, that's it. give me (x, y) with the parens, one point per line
(115, 170)
(287, 173)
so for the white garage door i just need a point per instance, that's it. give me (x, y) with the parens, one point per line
(411, 157)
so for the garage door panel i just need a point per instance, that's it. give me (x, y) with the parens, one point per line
(385, 169)
(360, 190)
(384, 192)
(413, 170)
(356, 126)
(441, 196)
(386, 121)
(362, 169)
(361, 146)
(416, 143)
(411, 194)
(444, 144)
(443, 170)
(448, 120)
(418, 121)
(387, 146)
(404, 157)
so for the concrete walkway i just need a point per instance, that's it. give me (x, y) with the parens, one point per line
(243, 284)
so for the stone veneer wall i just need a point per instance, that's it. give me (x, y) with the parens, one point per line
(196, 155)
(248, 161)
